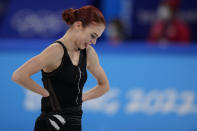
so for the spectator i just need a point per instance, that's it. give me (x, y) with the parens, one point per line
(168, 27)
(3, 9)
(115, 32)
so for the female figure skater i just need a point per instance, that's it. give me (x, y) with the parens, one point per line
(63, 66)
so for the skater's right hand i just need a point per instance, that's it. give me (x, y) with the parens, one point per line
(45, 93)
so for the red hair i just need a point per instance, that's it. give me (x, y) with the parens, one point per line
(86, 14)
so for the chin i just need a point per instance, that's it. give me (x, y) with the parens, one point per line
(82, 48)
(85, 46)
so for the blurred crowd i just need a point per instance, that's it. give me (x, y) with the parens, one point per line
(165, 27)
(168, 27)
(3, 9)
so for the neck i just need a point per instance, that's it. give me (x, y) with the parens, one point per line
(68, 41)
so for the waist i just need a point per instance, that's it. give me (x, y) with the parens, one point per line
(75, 110)
(48, 106)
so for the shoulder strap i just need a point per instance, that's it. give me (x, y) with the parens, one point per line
(84, 52)
(84, 57)
(65, 50)
(61, 44)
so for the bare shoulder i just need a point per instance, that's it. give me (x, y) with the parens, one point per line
(92, 57)
(89, 48)
(54, 48)
(49, 56)
(91, 51)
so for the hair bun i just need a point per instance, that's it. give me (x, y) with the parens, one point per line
(68, 16)
(86, 14)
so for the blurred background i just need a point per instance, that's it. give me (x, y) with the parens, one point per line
(148, 51)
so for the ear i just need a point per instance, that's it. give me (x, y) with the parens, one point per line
(78, 25)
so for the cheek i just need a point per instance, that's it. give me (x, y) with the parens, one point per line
(82, 37)
(85, 38)
(81, 40)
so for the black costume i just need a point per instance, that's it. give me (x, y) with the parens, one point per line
(62, 110)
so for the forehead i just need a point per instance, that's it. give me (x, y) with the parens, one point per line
(96, 28)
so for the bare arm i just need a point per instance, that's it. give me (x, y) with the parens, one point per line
(96, 70)
(22, 75)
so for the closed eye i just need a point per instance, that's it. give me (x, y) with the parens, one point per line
(92, 36)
